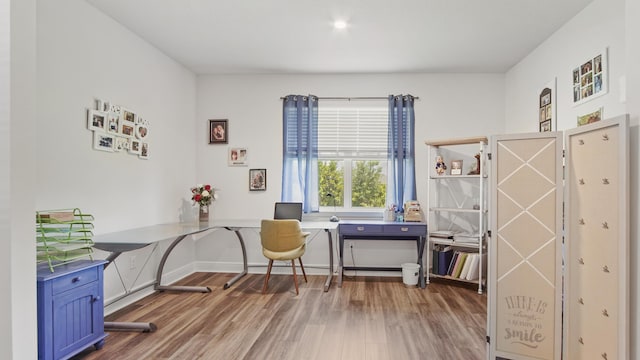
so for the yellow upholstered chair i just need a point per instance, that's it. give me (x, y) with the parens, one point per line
(282, 240)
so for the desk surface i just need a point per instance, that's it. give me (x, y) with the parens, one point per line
(155, 233)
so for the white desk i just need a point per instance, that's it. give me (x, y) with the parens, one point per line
(127, 240)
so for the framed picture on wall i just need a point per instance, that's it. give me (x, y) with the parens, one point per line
(135, 147)
(237, 156)
(590, 117)
(144, 151)
(545, 126)
(258, 179)
(590, 78)
(96, 120)
(547, 107)
(103, 141)
(218, 131)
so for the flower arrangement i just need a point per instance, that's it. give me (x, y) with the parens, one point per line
(203, 195)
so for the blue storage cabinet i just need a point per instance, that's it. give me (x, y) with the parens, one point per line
(70, 308)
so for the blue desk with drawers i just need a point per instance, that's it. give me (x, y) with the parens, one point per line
(382, 230)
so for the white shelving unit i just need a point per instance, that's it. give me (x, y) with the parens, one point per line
(457, 205)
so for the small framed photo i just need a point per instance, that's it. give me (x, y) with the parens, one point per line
(103, 141)
(590, 117)
(218, 132)
(258, 179)
(113, 123)
(128, 115)
(456, 167)
(142, 131)
(135, 147)
(128, 129)
(237, 156)
(545, 126)
(121, 143)
(96, 120)
(144, 151)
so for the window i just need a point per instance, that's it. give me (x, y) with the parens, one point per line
(352, 155)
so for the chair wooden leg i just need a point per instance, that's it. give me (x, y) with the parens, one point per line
(302, 267)
(266, 277)
(295, 278)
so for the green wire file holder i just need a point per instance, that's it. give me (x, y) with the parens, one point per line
(63, 235)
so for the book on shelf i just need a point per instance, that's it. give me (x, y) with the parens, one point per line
(444, 256)
(466, 266)
(459, 264)
(473, 270)
(452, 263)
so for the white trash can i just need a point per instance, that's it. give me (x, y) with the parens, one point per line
(410, 274)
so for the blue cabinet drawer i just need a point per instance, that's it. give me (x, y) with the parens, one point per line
(360, 229)
(405, 230)
(74, 280)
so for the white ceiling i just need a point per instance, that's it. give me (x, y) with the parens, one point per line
(384, 36)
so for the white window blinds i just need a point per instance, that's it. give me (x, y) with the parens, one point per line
(352, 132)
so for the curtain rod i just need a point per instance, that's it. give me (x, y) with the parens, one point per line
(354, 98)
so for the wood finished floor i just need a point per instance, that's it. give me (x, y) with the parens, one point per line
(368, 318)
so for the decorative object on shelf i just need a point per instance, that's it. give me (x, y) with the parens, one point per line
(258, 179)
(590, 117)
(590, 78)
(441, 167)
(116, 129)
(412, 211)
(218, 131)
(475, 170)
(456, 167)
(63, 236)
(237, 156)
(203, 196)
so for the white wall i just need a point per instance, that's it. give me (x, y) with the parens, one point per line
(598, 26)
(82, 55)
(450, 105)
(17, 115)
(604, 23)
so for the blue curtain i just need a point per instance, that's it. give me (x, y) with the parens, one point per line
(401, 181)
(300, 151)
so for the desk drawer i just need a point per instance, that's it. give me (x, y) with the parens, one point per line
(405, 230)
(360, 229)
(74, 280)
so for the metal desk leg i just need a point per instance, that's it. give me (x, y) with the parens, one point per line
(327, 283)
(126, 326)
(421, 244)
(129, 326)
(158, 286)
(340, 262)
(244, 260)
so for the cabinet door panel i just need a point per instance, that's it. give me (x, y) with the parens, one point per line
(76, 318)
